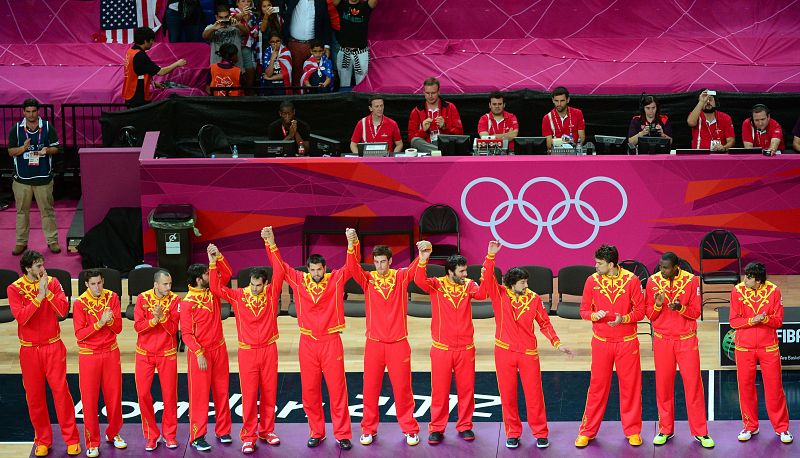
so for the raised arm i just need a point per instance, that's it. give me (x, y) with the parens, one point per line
(489, 284)
(219, 274)
(420, 276)
(694, 116)
(292, 276)
(354, 258)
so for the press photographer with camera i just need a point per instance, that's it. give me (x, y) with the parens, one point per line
(649, 122)
(226, 29)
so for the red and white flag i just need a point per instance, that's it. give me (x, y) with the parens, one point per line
(118, 18)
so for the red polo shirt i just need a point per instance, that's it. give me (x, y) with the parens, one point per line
(487, 123)
(553, 125)
(762, 139)
(367, 131)
(721, 129)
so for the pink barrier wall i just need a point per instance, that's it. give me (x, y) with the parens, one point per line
(551, 211)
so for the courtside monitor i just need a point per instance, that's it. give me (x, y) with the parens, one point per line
(530, 146)
(377, 149)
(653, 145)
(455, 145)
(607, 144)
(274, 148)
(323, 146)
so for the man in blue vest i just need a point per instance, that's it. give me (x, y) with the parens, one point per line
(31, 143)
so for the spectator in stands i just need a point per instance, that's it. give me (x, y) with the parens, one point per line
(353, 55)
(649, 122)
(563, 122)
(31, 143)
(306, 20)
(184, 20)
(277, 64)
(498, 122)
(714, 129)
(245, 16)
(376, 128)
(761, 131)
(317, 69)
(225, 73)
(796, 136)
(289, 128)
(435, 116)
(270, 22)
(138, 69)
(226, 29)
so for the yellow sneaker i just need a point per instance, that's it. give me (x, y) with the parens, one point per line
(74, 449)
(582, 441)
(635, 440)
(41, 450)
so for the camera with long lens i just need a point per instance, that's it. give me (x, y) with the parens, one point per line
(653, 131)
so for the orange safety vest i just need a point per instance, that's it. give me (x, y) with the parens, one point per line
(130, 78)
(225, 77)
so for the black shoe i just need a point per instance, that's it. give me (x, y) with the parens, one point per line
(467, 435)
(201, 445)
(225, 438)
(344, 444)
(542, 442)
(435, 438)
(315, 441)
(512, 442)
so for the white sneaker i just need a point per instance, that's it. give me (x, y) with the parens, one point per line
(412, 439)
(366, 439)
(119, 442)
(92, 451)
(745, 435)
(786, 437)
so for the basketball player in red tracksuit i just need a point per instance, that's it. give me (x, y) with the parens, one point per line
(319, 298)
(613, 301)
(516, 349)
(672, 300)
(756, 312)
(453, 348)
(386, 305)
(155, 319)
(201, 329)
(37, 301)
(97, 319)
(256, 309)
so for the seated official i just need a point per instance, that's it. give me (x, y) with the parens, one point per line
(563, 122)
(498, 122)
(435, 116)
(649, 122)
(376, 128)
(289, 128)
(225, 73)
(711, 129)
(761, 131)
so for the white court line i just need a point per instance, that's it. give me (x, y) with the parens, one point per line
(17, 443)
(711, 395)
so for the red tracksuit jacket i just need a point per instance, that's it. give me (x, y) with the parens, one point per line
(86, 312)
(747, 303)
(447, 110)
(685, 289)
(158, 340)
(201, 322)
(38, 322)
(621, 294)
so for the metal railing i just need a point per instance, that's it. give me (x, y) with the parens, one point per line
(80, 128)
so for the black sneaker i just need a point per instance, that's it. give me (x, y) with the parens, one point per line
(225, 438)
(201, 445)
(512, 442)
(344, 444)
(542, 442)
(467, 435)
(435, 438)
(315, 441)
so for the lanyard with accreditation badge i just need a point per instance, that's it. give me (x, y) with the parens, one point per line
(33, 156)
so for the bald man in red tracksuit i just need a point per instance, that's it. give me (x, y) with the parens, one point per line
(201, 330)
(673, 306)
(320, 316)
(98, 362)
(453, 347)
(617, 346)
(156, 349)
(257, 329)
(386, 302)
(756, 312)
(43, 358)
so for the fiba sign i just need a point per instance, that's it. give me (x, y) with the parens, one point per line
(788, 344)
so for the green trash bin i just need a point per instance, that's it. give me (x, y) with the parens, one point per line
(174, 225)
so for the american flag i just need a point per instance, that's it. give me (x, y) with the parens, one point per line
(118, 18)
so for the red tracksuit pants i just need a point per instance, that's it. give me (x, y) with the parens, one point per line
(318, 358)
(667, 353)
(396, 357)
(775, 398)
(605, 356)
(258, 372)
(443, 364)
(167, 367)
(508, 364)
(214, 378)
(100, 371)
(48, 364)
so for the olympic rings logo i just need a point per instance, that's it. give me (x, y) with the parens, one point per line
(556, 214)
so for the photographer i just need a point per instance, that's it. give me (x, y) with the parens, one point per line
(226, 29)
(649, 122)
